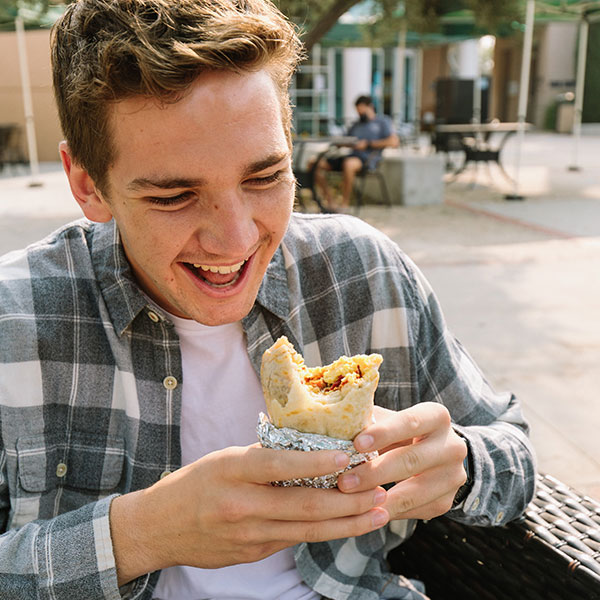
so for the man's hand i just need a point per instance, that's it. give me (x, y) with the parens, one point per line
(361, 145)
(221, 510)
(419, 452)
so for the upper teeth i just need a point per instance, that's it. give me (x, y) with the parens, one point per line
(222, 270)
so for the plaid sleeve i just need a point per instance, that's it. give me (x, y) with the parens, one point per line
(63, 558)
(491, 422)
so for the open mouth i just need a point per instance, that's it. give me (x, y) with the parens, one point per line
(218, 276)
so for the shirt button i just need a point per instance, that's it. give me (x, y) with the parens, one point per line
(164, 474)
(61, 469)
(170, 382)
(153, 316)
(475, 505)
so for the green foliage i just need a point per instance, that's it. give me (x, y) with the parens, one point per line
(550, 116)
(306, 13)
(8, 10)
(491, 14)
(424, 15)
(32, 11)
(316, 17)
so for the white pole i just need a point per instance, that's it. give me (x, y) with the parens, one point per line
(579, 88)
(523, 93)
(476, 117)
(418, 94)
(27, 103)
(399, 87)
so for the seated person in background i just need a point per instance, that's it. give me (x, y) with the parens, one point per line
(374, 133)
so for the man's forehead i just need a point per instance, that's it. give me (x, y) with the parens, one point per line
(219, 106)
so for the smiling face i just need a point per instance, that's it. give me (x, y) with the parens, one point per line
(202, 192)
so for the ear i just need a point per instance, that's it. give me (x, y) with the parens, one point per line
(90, 200)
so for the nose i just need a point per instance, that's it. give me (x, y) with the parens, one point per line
(228, 227)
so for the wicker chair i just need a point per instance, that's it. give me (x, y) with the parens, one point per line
(552, 553)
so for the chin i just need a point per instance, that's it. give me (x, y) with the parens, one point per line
(219, 316)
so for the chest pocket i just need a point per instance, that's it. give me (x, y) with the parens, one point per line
(87, 462)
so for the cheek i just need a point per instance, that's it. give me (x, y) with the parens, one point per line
(278, 214)
(155, 243)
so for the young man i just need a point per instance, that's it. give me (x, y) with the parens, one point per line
(373, 133)
(131, 341)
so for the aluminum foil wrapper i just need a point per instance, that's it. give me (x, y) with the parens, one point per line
(285, 438)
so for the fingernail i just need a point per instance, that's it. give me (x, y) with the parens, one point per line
(379, 497)
(364, 442)
(349, 481)
(380, 518)
(342, 460)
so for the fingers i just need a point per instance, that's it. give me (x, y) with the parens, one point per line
(416, 421)
(332, 529)
(425, 496)
(308, 504)
(263, 465)
(444, 449)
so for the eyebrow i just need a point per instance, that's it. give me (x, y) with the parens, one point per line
(265, 163)
(169, 183)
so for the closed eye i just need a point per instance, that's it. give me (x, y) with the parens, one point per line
(268, 179)
(170, 200)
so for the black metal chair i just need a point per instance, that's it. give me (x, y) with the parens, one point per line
(304, 172)
(551, 553)
(11, 147)
(360, 183)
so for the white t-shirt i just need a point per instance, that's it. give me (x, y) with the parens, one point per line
(222, 397)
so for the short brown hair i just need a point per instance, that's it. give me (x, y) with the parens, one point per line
(104, 51)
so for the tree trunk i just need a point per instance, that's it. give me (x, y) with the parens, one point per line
(326, 22)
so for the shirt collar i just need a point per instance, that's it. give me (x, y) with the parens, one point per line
(125, 300)
(273, 293)
(120, 291)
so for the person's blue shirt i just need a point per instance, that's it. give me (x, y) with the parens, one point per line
(378, 128)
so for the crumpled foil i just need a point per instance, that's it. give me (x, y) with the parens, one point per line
(285, 438)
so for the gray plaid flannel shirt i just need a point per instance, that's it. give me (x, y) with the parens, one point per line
(86, 411)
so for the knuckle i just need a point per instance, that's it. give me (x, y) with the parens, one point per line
(309, 505)
(458, 450)
(442, 505)
(413, 421)
(251, 543)
(404, 504)
(411, 460)
(312, 533)
(444, 415)
(232, 510)
(272, 464)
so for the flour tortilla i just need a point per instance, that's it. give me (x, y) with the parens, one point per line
(334, 400)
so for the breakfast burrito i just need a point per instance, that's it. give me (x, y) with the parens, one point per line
(334, 400)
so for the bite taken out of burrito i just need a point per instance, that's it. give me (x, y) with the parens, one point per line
(334, 400)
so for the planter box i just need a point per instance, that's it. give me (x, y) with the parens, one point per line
(412, 180)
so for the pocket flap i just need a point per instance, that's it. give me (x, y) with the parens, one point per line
(92, 461)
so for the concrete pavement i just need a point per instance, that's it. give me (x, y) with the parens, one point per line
(519, 282)
(520, 287)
